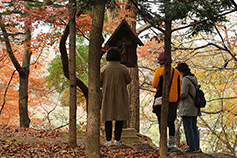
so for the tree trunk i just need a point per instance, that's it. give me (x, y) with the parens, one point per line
(111, 10)
(93, 117)
(166, 87)
(24, 80)
(177, 132)
(72, 74)
(133, 87)
(64, 58)
(133, 93)
(23, 102)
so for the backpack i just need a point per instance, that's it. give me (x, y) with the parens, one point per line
(199, 99)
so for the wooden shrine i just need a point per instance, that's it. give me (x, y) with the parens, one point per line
(126, 41)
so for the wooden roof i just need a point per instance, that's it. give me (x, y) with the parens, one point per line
(124, 26)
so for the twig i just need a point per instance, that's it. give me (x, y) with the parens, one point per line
(61, 126)
(4, 98)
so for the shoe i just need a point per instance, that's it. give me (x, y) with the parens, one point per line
(171, 140)
(117, 143)
(108, 143)
(199, 150)
(188, 150)
(171, 148)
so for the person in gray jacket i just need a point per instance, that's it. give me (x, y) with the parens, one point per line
(187, 109)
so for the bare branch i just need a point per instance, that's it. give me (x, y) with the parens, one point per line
(10, 52)
(221, 99)
(233, 1)
(4, 98)
(143, 28)
(232, 55)
(214, 112)
(202, 21)
(213, 132)
(61, 126)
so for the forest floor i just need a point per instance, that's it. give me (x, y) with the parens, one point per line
(28, 142)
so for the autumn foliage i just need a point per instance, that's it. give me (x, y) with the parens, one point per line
(44, 46)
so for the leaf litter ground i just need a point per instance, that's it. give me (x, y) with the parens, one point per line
(33, 143)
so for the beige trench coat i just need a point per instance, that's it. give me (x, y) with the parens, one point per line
(114, 79)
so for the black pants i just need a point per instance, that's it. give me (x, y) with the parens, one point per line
(171, 127)
(171, 116)
(117, 131)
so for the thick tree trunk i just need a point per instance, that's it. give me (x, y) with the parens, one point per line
(72, 74)
(23, 102)
(93, 117)
(165, 94)
(24, 80)
(133, 87)
(133, 93)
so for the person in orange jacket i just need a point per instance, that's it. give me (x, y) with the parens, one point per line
(174, 96)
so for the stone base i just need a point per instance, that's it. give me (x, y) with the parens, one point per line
(129, 135)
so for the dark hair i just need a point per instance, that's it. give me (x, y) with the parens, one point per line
(183, 67)
(113, 54)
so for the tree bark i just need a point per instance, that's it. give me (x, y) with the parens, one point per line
(93, 117)
(111, 10)
(166, 87)
(24, 81)
(72, 74)
(133, 87)
(133, 93)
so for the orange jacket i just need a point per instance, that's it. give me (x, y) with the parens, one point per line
(175, 86)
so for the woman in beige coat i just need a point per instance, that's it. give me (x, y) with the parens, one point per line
(114, 79)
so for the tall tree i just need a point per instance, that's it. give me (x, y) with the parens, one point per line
(72, 74)
(23, 73)
(166, 87)
(93, 121)
(13, 15)
(133, 87)
(24, 80)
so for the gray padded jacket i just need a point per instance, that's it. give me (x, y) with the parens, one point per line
(186, 105)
